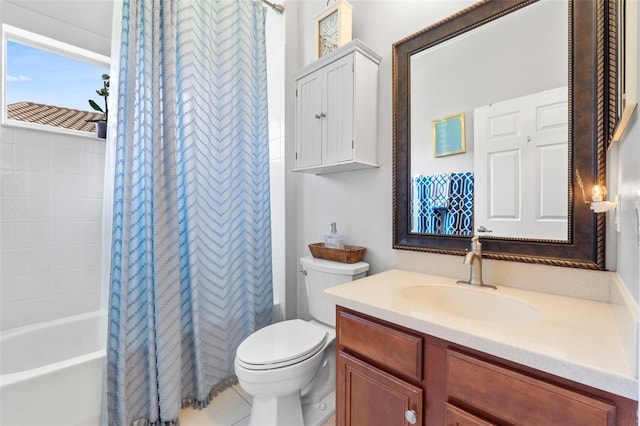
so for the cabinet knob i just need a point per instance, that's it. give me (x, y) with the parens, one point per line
(321, 115)
(411, 416)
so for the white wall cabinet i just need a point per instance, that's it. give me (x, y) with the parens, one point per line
(337, 111)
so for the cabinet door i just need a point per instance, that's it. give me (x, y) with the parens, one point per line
(338, 123)
(309, 118)
(369, 396)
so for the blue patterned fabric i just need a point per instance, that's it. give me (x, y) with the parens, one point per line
(442, 204)
(191, 251)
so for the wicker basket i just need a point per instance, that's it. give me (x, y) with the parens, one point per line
(349, 254)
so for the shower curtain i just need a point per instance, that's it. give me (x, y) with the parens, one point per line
(190, 273)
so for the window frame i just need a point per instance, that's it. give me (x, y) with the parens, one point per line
(38, 41)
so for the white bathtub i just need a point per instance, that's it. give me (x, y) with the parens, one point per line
(51, 373)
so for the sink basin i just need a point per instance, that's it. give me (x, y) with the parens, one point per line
(469, 302)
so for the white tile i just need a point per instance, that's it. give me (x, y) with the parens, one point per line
(68, 142)
(32, 235)
(31, 286)
(243, 393)
(33, 310)
(7, 263)
(7, 290)
(225, 410)
(38, 184)
(243, 422)
(32, 260)
(6, 155)
(94, 186)
(30, 137)
(75, 233)
(67, 185)
(6, 135)
(66, 161)
(75, 280)
(7, 316)
(8, 209)
(75, 303)
(32, 209)
(7, 236)
(12, 183)
(76, 209)
(97, 146)
(76, 257)
(32, 158)
(95, 164)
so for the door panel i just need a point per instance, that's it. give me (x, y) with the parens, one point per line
(338, 124)
(308, 126)
(520, 156)
(369, 396)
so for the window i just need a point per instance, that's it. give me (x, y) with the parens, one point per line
(48, 83)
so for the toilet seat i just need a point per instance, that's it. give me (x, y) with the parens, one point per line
(281, 344)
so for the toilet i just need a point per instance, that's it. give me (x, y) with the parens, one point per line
(289, 367)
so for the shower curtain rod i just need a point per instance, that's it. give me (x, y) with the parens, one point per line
(278, 8)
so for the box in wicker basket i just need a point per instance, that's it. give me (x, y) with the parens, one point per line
(350, 254)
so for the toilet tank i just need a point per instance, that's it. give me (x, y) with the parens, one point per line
(320, 274)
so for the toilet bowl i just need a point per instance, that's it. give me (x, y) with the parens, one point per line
(288, 360)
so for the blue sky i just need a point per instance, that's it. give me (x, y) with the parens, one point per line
(39, 76)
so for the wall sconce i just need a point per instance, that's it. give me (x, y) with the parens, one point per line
(598, 203)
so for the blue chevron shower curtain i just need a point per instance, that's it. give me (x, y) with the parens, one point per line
(191, 241)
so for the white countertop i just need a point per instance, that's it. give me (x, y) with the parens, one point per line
(573, 338)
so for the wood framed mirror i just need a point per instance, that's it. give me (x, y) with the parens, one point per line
(591, 98)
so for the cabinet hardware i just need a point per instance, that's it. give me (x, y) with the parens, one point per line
(411, 416)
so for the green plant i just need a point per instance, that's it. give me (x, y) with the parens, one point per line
(104, 92)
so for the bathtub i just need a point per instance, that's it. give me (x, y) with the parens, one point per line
(51, 373)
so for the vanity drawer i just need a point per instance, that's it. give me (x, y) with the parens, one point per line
(520, 399)
(397, 350)
(455, 416)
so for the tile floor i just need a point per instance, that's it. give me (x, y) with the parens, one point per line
(230, 408)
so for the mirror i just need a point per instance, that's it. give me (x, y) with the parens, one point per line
(428, 118)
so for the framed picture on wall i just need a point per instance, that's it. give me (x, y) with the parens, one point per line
(449, 135)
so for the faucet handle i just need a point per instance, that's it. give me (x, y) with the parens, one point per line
(476, 245)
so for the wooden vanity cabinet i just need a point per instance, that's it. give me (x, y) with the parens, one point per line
(386, 372)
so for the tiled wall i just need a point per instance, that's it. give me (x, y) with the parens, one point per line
(275, 66)
(51, 216)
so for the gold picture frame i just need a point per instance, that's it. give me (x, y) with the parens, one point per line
(449, 135)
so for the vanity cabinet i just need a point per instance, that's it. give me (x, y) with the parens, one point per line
(386, 371)
(368, 395)
(337, 110)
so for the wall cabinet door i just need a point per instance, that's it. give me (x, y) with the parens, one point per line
(309, 106)
(369, 396)
(338, 143)
(324, 115)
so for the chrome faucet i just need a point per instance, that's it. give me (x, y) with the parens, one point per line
(474, 259)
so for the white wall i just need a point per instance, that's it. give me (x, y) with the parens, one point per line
(361, 202)
(51, 188)
(627, 179)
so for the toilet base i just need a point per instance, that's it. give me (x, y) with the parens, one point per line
(318, 413)
(281, 411)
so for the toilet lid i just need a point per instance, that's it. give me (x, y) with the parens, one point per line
(280, 344)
